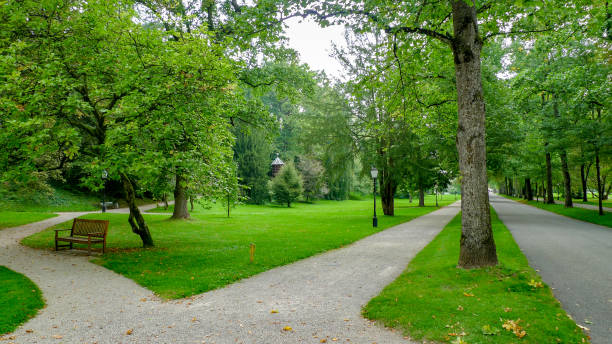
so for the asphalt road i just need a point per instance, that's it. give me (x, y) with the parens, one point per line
(573, 257)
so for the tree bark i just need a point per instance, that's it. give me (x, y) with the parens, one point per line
(387, 194)
(421, 196)
(599, 187)
(180, 199)
(165, 200)
(135, 219)
(567, 181)
(584, 183)
(529, 191)
(550, 198)
(477, 247)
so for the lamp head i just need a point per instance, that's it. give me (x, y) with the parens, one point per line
(374, 172)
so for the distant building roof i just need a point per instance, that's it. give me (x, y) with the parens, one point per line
(277, 161)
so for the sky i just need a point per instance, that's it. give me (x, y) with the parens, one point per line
(314, 44)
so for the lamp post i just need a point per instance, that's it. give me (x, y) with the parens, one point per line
(104, 177)
(374, 173)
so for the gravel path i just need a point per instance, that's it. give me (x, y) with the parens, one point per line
(573, 257)
(586, 206)
(318, 297)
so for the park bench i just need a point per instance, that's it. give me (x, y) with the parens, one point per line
(83, 231)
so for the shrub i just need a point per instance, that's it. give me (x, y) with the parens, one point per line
(286, 187)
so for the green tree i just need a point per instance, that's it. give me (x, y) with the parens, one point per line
(460, 28)
(312, 173)
(286, 187)
(252, 152)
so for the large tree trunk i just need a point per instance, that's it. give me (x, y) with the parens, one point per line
(550, 198)
(387, 194)
(583, 179)
(599, 186)
(529, 191)
(567, 181)
(180, 199)
(421, 196)
(135, 219)
(477, 247)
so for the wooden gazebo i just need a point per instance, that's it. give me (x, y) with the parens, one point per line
(277, 164)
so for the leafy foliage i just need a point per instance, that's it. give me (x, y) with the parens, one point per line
(286, 187)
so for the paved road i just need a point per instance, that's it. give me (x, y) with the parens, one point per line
(573, 257)
(586, 206)
(319, 297)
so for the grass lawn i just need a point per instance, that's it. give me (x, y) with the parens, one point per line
(59, 200)
(594, 201)
(13, 218)
(581, 214)
(20, 299)
(210, 250)
(433, 300)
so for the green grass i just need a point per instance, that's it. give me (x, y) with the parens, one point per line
(20, 300)
(13, 218)
(577, 213)
(434, 300)
(58, 200)
(210, 250)
(594, 201)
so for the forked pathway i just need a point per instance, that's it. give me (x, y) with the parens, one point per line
(573, 258)
(318, 297)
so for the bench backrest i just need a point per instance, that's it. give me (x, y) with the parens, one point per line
(83, 227)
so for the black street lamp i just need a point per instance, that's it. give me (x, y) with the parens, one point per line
(374, 173)
(104, 177)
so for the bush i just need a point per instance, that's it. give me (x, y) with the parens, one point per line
(286, 187)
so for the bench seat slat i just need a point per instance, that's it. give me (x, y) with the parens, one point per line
(79, 239)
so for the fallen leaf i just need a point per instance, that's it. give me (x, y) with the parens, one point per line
(507, 309)
(335, 339)
(488, 330)
(194, 319)
(29, 331)
(584, 327)
(468, 294)
(287, 328)
(513, 325)
(323, 340)
(586, 322)
(57, 336)
(460, 308)
(129, 332)
(274, 311)
(535, 284)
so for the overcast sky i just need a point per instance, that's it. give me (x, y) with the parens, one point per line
(314, 44)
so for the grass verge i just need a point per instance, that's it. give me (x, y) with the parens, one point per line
(20, 300)
(433, 300)
(13, 218)
(210, 250)
(581, 214)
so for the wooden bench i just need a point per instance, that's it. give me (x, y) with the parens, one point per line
(83, 231)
